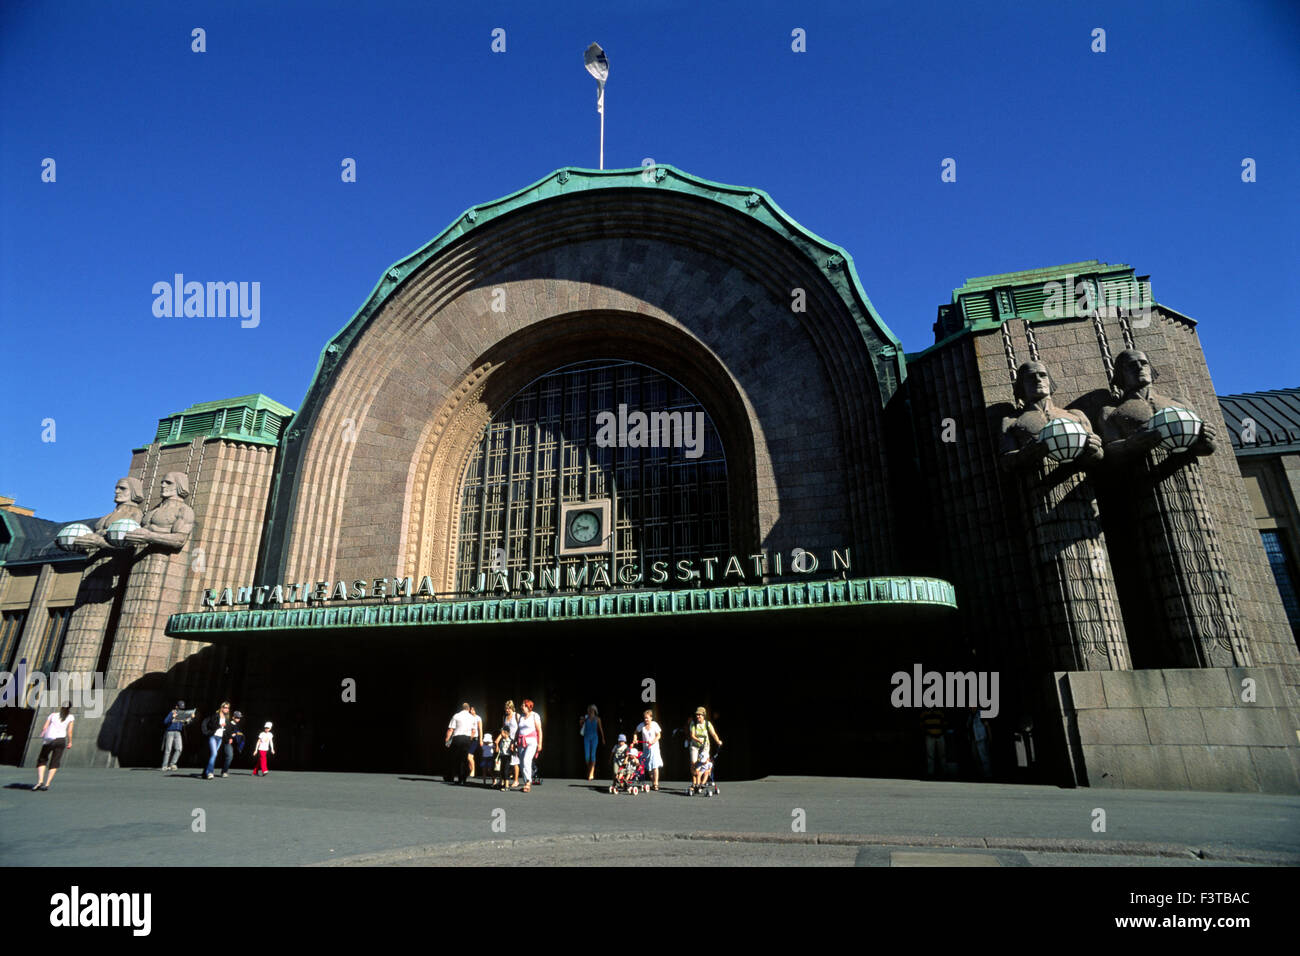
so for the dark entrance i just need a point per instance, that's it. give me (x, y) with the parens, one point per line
(802, 691)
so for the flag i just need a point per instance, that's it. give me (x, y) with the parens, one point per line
(598, 66)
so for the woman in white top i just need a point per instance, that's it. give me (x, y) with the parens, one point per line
(530, 741)
(649, 731)
(506, 743)
(57, 737)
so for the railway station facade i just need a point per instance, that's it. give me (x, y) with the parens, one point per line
(639, 439)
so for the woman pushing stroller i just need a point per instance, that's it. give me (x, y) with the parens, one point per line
(699, 733)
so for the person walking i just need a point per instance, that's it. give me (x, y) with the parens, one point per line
(476, 739)
(173, 735)
(506, 749)
(593, 737)
(57, 737)
(649, 732)
(232, 741)
(698, 735)
(529, 736)
(265, 744)
(932, 729)
(978, 732)
(460, 738)
(214, 728)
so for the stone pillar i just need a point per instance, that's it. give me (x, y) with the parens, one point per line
(1074, 583)
(1177, 541)
(101, 582)
(1187, 565)
(153, 594)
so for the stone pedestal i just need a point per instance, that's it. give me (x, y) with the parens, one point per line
(1218, 728)
(1076, 590)
(1187, 565)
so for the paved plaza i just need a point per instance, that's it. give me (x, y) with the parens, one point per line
(95, 817)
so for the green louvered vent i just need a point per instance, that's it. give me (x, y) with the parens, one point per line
(978, 308)
(249, 418)
(1029, 300)
(1120, 291)
(201, 424)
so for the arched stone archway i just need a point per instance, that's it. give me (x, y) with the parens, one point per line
(513, 363)
(670, 276)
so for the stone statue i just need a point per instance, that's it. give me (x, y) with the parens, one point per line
(128, 496)
(104, 577)
(1124, 425)
(168, 525)
(1178, 566)
(1075, 585)
(1021, 448)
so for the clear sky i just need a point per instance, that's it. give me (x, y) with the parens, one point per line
(225, 166)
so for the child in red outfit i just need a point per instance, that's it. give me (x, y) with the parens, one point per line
(265, 742)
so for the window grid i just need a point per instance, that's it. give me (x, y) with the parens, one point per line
(11, 632)
(50, 649)
(540, 451)
(1277, 559)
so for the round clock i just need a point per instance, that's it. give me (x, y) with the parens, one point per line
(584, 526)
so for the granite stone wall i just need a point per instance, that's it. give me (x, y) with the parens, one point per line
(697, 291)
(1180, 729)
(976, 532)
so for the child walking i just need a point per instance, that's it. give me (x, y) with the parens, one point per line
(265, 742)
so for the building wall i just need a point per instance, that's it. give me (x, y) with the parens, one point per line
(1272, 484)
(1180, 729)
(123, 602)
(697, 292)
(974, 510)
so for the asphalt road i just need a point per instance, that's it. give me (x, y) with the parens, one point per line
(143, 817)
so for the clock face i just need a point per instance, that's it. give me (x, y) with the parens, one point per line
(584, 526)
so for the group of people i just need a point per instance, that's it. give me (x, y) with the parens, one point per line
(224, 733)
(516, 746)
(645, 748)
(936, 731)
(221, 728)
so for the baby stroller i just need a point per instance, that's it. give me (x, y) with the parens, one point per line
(705, 764)
(629, 770)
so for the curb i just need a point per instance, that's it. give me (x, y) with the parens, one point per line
(1084, 848)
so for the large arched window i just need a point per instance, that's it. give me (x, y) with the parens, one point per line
(540, 450)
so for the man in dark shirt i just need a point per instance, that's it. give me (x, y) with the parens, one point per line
(232, 741)
(175, 723)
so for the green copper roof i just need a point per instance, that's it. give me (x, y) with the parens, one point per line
(1028, 277)
(1038, 295)
(793, 597)
(249, 418)
(258, 401)
(833, 261)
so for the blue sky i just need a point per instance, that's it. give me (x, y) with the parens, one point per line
(225, 165)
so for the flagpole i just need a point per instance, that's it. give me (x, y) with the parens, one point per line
(598, 66)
